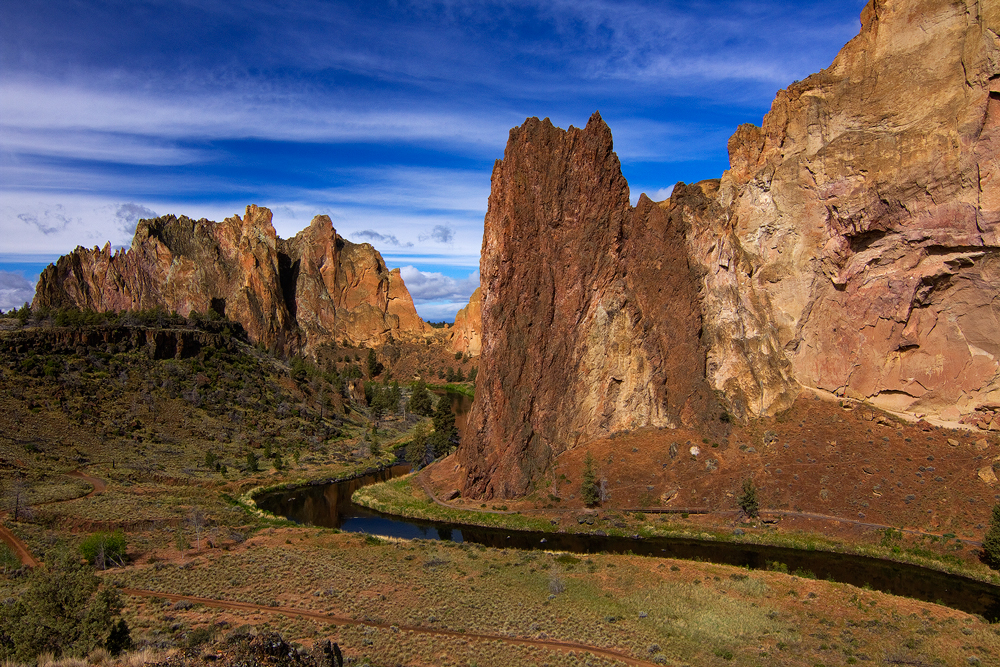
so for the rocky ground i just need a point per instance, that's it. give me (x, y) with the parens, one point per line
(826, 466)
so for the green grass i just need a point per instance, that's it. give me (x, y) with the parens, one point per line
(465, 389)
(403, 497)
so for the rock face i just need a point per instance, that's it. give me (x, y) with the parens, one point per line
(852, 247)
(291, 295)
(576, 346)
(860, 223)
(466, 335)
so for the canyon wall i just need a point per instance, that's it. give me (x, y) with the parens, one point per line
(852, 247)
(290, 295)
(574, 345)
(865, 213)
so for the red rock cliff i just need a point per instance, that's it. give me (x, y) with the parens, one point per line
(852, 247)
(466, 335)
(575, 346)
(291, 295)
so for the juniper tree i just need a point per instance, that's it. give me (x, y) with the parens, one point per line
(991, 540)
(748, 502)
(589, 491)
(62, 611)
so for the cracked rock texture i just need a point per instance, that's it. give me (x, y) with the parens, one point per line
(852, 247)
(864, 217)
(290, 295)
(575, 346)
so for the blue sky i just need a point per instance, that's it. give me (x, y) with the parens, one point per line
(387, 116)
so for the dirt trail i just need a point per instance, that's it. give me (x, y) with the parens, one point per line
(100, 486)
(19, 547)
(342, 620)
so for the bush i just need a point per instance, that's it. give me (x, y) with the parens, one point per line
(62, 611)
(991, 540)
(8, 559)
(748, 502)
(100, 549)
(589, 491)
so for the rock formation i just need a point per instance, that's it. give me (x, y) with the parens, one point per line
(852, 247)
(466, 334)
(290, 295)
(576, 345)
(861, 219)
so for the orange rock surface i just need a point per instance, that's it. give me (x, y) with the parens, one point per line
(291, 295)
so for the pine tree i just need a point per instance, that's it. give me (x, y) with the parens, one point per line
(445, 434)
(420, 400)
(374, 367)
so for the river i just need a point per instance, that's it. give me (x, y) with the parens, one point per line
(330, 505)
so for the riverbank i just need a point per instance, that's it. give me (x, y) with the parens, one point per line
(412, 497)
(465, 388)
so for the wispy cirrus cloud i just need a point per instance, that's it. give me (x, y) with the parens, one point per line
(385, 115)
(386, 239)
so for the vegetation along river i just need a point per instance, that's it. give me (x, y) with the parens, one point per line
(330, 505)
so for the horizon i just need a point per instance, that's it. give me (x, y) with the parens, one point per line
(387, 119)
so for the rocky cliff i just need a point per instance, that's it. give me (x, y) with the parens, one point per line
(466, 334)
(291, 295)
(852, 247)
(591, 312)
(861, 219)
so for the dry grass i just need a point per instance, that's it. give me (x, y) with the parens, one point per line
(690, 613)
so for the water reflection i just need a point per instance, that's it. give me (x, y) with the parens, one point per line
(331, 506)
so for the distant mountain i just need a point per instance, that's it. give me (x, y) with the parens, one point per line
(290, 295)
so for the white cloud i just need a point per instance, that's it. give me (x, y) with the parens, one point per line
(440, 312)
(34, 222)
(426, 287)
(105, 121)
(370, 236)
(15, 290)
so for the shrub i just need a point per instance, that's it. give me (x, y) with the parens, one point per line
(748, 502)
(103, 548)
(991, 540)
(8, 559)
(63, 611)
